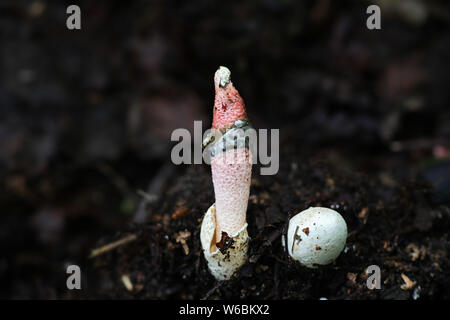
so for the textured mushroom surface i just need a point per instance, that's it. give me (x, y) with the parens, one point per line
(228, 104)
(231, 174)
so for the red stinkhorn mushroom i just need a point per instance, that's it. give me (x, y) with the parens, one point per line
(224, 234)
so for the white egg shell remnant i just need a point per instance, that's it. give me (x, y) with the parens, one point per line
(222, 266)
(316, 236)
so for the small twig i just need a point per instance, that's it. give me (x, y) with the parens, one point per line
(149, 197)
(267, 243)
(153, 192)
(279, 260)
(112, 245)
(276, 280)
(210, 292)
(416, 144)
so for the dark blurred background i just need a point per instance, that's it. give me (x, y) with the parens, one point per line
(86, 115)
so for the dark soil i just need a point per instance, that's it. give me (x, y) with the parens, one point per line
(85, 124)
(391, 225)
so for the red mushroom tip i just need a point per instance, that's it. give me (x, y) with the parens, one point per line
(228, 104)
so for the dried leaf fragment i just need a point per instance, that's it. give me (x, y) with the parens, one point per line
(363, 214)
(127, 282)
(181, 237)
(180, 212)
(409, 284)
(352, 277)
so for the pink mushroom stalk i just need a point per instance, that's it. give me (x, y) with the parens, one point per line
(232, 169)
(224, 234)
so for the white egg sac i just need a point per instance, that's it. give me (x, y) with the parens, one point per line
(316, 236)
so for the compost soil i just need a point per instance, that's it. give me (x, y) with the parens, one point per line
(85, 159)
